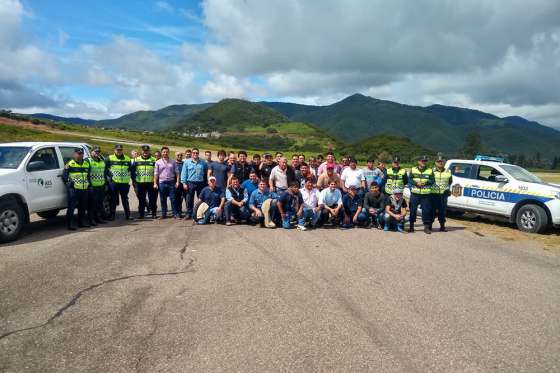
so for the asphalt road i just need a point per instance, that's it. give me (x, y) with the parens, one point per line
(168, 296)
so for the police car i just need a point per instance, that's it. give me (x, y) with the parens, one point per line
(31, 182)
(489, 186)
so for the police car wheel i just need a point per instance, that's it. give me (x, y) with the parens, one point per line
(531, 218)
(106, 206)
(11, 220)
(48, 214)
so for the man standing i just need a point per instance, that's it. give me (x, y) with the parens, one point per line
(396, 177)
(440, 192)
(208, 156)
(352, 207)
(242, 168)
(369, 173)
(266, 167)
(352, 177)
(330, 201)
(256, 164)
(421, 180)
(374, 205)
(180, 193)
(236, 202)
(278, 180)
(220, 170)
(290, 204)
(165, 179)
(395, 211)
(142, 171)
(192, 178)
(314, 166)
(119, 166)
(98, 174)
(214, 197)
(311, 210)
(331, 161)
(328, 177)
(76, 176)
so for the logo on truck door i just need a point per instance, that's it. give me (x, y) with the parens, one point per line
(457, 190)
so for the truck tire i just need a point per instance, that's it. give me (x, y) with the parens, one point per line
(531, 218)
(106, 213)
(12, 219)
(48, 214)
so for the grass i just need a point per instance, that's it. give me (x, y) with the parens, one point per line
(549, 177)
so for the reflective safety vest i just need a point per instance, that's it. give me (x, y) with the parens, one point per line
(119, 169)
(394, 180)
(78, 174)
(441, 184)
(424, 178)
(97, 172)
(145, 169)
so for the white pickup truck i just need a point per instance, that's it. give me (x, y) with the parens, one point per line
(31, 182)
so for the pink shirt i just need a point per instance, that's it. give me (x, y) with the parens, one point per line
(323, 168)
(165, 170)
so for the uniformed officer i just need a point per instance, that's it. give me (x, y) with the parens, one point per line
(396, 177)
(98, 173)
(440, 192)
(119, 166)
(421, 179)
(143, 176)
(76, 176)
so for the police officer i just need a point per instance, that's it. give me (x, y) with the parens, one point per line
(421, 179)
(396, 177)
(119, 166)
(98, 173)
(440, 192)
(76, 176)
(142, 172)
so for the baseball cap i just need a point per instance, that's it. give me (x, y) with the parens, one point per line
(330, 166)
(397, 191)
(145, 147)
(118, 147)
(96, 149)
(78, 150)
(423, 158)
(396, 159)
(212, 178)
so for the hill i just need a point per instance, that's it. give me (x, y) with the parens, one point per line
(436, 127)
(72, 120)
(157, 120)
(385, 147)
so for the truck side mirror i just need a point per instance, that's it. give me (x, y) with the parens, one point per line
(36, 166)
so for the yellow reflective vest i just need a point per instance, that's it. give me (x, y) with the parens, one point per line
(395, 179)
(424, 179)
(78, 174)
(441, 181)
(97, 172)
(144, 169)
(119, 169)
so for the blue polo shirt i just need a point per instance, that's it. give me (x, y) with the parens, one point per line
(249, 186)
(212, 197)
(351, 205)
(257, 198)
(193, 171)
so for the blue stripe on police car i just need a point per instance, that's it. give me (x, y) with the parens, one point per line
(496, 195)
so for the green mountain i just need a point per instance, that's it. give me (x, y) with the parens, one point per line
(158, 120)
(55, 118)
(436, 127)
(385, 147)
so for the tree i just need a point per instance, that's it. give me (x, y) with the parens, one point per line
(473, 145)
(555, 163)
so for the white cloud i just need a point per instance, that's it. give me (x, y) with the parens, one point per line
(164, 6)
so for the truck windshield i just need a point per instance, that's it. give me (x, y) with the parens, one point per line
(11, 156)
(521, 174)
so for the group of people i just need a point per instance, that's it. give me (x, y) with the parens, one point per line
(265, 191)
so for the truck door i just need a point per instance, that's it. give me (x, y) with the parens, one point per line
(488, 191)
(44, 180)
(461, 175)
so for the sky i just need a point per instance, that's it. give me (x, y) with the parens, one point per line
(101, 59)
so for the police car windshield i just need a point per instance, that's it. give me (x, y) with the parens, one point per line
(11, 156)
(521, 174)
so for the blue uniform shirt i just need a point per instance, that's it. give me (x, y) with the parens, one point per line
(193, 171)
(249, 186)
(212, 197)
(257, 198)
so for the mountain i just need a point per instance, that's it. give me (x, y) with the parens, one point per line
(55, 118)
(385, 147)
(436, 127)
(154, 120)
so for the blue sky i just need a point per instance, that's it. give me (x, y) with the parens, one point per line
(102, 59)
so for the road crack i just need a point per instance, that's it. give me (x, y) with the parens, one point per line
(187, 269)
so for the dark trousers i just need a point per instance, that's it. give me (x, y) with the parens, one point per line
(325, 216)
(236, 212)
(143, 189)
(424, 201)
(439, 207)
(95, 205)
(120, 190)
(77, 198)
(180, 196)
(167, 190)
(194, 187)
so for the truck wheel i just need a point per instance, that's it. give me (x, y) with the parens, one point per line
(455, 213)
(12, 220)
(531, 218)
(106, 206)
(48, 214)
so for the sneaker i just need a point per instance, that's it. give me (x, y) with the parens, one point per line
(400, 229)
(228, 223)
(427, 229)
(301, 228)
(386, 228)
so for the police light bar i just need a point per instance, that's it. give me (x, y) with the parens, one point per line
(489, 158)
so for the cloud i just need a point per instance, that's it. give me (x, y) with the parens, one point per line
(12, 95)
(164, 6)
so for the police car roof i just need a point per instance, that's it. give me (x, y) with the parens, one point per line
(472, 161)
(35, 144)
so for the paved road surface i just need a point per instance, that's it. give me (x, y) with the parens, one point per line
(169, 296)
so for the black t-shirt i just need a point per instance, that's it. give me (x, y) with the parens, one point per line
(266, 170)
(371, 201)
(291, 202)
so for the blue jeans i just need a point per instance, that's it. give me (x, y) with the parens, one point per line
(392, 222)
(167, 189)
(309, 214)
(378, 217)
(287, 219)
(362, 218)
(211, 213)
(231, 211)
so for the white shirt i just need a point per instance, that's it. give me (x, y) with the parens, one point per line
(352, 177)
(310, 198)
(279, 177)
